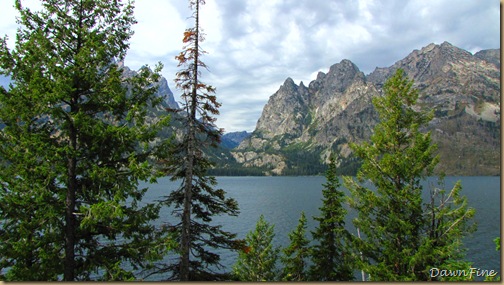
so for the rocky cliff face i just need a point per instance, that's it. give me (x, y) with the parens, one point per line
(490, 55)
(301, 125)
(163, 88)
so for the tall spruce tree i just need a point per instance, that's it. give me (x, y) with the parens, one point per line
(331, 256)
(74, 146)
(403, 237)
(295, 256)
(257, 261)
(196, 201)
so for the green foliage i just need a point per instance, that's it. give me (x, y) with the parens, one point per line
(196, 201)
(295, 255)
(460, 271)
(257, 260)
(497, 242)
(447, 222)
(331, 257)
(302, 160)
(235, 169)
(349, 166)
(402, 238)
(74, 146)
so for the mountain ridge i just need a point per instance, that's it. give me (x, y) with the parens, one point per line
(300, 122)
(163, 90)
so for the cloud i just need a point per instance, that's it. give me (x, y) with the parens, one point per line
(158, 30)
(260, 43)
(253, 46)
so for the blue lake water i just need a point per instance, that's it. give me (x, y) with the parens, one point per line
(281, 200)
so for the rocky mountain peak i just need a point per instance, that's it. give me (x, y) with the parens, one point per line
(300, 126)
(343, 66)
(490, 55)
(445, 51)
(288, 86)
(278, 120)
(434, 62)
(320, 76)
(341, 75)
(163, 88)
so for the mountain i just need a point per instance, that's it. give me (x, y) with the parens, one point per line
(490, 55)
(300, 125)
(163, 88)
(233, 139)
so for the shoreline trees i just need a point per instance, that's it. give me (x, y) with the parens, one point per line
(295, 255)
(331, 256)
(257, 261)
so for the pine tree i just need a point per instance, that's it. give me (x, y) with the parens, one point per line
(447, 223)
(296, 254)
(74, 146)
(402, 238)
(331, 257)
(196, 201)
(257, 261)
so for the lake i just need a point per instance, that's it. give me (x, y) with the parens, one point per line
(281, 200)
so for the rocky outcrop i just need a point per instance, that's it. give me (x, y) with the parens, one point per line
(490, 55)
(163, 88)
(464, 90)
(301, 125)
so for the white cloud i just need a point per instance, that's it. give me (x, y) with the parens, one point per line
(253, 46)
(158, 35)
(159, 29)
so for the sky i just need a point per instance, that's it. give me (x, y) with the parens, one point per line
(254, 45)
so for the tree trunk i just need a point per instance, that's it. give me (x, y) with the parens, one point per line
(191, 152)
(69, 266)
(185, 242)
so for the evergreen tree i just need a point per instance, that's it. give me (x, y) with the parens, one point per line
(296, 254)
(495, 277)
(402, 238)
(330, 256)
(74, 145)
(196, 201)
(257, 261)
(447, 223)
